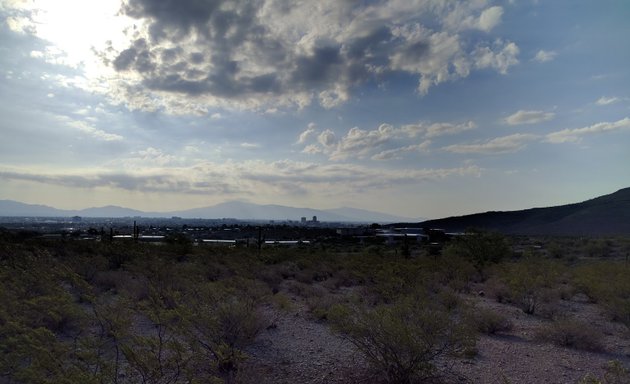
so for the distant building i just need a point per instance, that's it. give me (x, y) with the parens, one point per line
(303, 220)
(314, 219)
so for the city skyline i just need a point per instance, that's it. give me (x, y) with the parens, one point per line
(415, 108)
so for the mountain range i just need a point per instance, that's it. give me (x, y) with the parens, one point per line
(602, 216)
(233, 209)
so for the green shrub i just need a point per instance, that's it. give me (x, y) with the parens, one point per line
(490, 322)
(282, 302)
(530, 282)
(573, 334)
(304, 290)
(321, 306)
(616, 373)
(455, 271)
(607, 283)
(480, 247)
(220, 321)
(272, 277)
(404, 339)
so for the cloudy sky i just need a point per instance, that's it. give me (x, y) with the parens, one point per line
(421, 108)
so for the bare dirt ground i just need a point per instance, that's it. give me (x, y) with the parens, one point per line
(518, 357)
(296, 348)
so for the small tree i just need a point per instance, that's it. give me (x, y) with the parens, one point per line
(481, 247)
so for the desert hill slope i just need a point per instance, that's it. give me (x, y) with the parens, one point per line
(604, 215)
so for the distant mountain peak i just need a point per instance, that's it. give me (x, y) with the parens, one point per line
(237, 209)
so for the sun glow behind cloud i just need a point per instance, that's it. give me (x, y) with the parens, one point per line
(76, 28)
(251, 55)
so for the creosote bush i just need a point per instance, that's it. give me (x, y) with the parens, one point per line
(616, 373)
(404, 339)
(608, 284)
(107, 313)
(572, 334)
(530, 282)
(491, 322)
(82, 312)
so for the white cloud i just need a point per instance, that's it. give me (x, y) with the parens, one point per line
(88, 129)
(575, 135)
(441, 129)
(472, 15)
(312, 149)
(144, 159)
(544, 56)
(21, 24)
(307, 134)
(397, 152)
(499, 145)
(490, 18)
(37, 54)
(501, 58)
(250, 145)
(529, 117)
(153, 156)
(359, 143)
(430, 130)
(327, 138)
(607, 100)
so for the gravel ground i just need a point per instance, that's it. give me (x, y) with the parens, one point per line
(295, 348)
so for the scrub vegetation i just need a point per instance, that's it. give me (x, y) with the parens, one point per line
(122, 312)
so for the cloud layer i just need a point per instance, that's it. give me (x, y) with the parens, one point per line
(575, 135)
(382, 143)
(255, 53)
(529, 117)
(285, 177)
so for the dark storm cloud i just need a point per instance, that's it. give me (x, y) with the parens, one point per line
(218, 32)
(373, 45)
(125, 59)
(197, 57)
(176, 83)
(137, 57)
(179, 15)
(317, 68)
(242, 49)
(416, 51)
(171, 54)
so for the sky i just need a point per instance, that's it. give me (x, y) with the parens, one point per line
(419, 108)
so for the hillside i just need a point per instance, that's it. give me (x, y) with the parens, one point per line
(604, 215)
